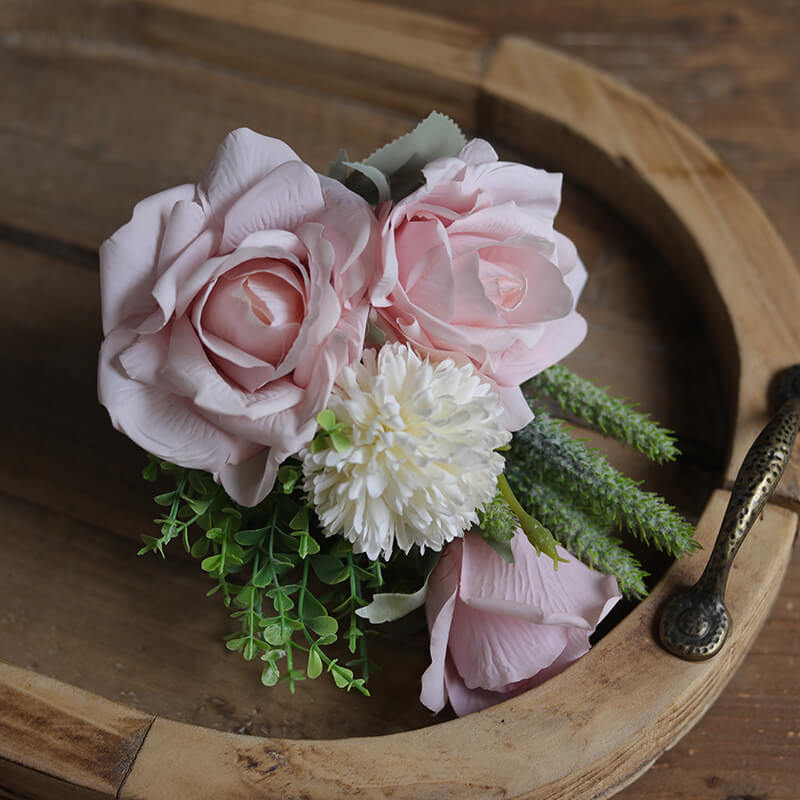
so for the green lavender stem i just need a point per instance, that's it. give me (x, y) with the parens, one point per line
(498, 521)
(545, 452)
(614, 418)
(585, 536)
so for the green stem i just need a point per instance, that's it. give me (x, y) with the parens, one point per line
(302, 593)
(537, 534)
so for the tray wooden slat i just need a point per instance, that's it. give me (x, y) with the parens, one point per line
(90, 136)
(66, 742)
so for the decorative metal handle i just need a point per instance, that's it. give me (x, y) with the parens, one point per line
(695, 623)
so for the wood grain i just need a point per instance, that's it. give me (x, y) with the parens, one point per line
(54, 735)
(125, 83)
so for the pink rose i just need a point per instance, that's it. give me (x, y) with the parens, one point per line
(471, 266)
(498, 629)
(230, 307)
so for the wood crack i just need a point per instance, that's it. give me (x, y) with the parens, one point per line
(50, 246)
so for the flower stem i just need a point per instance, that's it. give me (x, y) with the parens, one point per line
(537, 534)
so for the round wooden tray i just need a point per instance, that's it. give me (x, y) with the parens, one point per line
(132, 88)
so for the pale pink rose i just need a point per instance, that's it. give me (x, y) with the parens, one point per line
(499, 629)
(472, 267)
(229, 309)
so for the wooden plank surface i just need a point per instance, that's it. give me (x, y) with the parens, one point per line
(96, 143)
(48, 730)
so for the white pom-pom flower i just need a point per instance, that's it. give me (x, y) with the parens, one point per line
(422, 458)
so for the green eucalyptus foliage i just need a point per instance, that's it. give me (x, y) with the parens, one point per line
(266, 563)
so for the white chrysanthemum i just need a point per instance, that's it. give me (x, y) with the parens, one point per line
(422, 458)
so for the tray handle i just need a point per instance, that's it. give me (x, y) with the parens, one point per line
(695, 623)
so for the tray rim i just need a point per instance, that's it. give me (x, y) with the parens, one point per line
(499, 90)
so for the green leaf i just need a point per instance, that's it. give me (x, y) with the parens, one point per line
(235, 645)
(287, 477)
(246, 595)
(198, 506)
(277, 634)
(326, 419)
(605, 413)
(250, 537)
(323, 626)
(314, 666)
(329, 569)
(309, 546)
(312, 607)
(368, 181)
(165, 499)
(270, 674)
(281, 600)
(200, 547)
(299, 521)
(250, 650)
(282, 561)
(341, 443)
(215, 534)
(319, 443)
(211, 563)
(273, 655)
(235, 551)
(341, 547)
(396, 168)
(151, 543)
(342, 676)
(150, 472)
(264, 577)
(201, 483)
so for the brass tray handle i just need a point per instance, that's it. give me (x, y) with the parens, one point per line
(695, 623)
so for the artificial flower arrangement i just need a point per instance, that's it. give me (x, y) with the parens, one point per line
(339, 375)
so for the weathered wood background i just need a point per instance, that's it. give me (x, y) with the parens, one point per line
(86, 113)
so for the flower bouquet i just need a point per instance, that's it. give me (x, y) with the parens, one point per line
(350, 381)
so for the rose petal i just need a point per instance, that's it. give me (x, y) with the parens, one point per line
(128, 258)
(530, 588)
(350, 226)
(250, 481)
(576, 277)
(467, 701)
(243, 158)
(439, 608)
(512, 626)
(192, 375)
(543, 296)
(280, 200)
(492, 650)
(159, 421)
(426, 274)
(559, 338)
(477, 151)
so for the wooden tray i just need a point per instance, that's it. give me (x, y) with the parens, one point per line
(112, 100)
